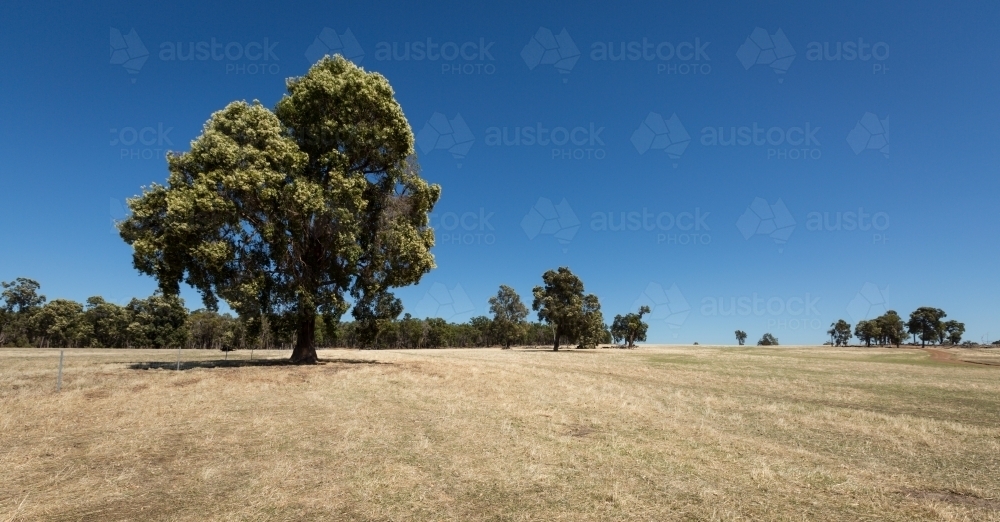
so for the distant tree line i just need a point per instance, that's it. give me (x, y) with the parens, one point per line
(926, 324)
(26, 319)
(567, 316)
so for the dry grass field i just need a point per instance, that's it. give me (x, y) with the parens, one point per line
(656, 433)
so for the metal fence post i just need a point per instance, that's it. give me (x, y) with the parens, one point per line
(59, 378)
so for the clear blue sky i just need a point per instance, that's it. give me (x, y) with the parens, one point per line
(734, 202)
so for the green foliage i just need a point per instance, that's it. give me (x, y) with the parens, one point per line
(21, 296)
(376, 315)
(108, 322)
(409, 332)
(954, 330)
(561, 303)
(925, 323)
(840, 333)
(20, 302)
(891, 328)
(592, 330)
(209, 329)
(285, 213)
(156, 322)
(60, 323)
(159, 321)
(768, 340)
(509, 315)
(630, 328)
(868, 331)
(741, 337)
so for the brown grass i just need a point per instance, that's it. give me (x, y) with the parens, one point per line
(647, 434)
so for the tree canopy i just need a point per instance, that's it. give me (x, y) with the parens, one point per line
(286, 214)
(925, 323)
(560, 302)
(767, 340)
(840, 333)
(508, 315)
(630, 328)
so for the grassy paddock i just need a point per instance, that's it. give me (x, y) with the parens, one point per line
(657, 433)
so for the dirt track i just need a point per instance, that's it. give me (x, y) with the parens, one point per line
(947, 357)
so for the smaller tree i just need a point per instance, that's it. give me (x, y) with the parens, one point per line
(840, 332)
(767, 340)
(20, 301)
(508, 316)
(741, 337)
(159, 321)
(21, 295)
(592, 330)
(108, 323)
(562, 304)
(954, 331)
(925, 323)
(868, 331)
(891, 327)
(630, 328)
(375, 316)
(60, 323)
(482, 331)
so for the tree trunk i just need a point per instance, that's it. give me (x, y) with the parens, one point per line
(305, 342)
(555, 346)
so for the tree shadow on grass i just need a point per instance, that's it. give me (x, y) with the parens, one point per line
(562, 349)
(240, 363)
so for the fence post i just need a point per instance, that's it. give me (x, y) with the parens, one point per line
(178, 358)
(59, 378)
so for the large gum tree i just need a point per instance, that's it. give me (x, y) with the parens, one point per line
(286, 215)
